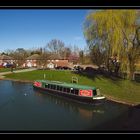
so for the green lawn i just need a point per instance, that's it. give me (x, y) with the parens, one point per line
(9, 69)
(5, 69)
(123, 90)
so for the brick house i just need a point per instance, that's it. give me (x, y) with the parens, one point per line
(51, 62)
(5, 59)
(31, 61)
(57, 61)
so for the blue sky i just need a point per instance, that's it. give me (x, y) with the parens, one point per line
(35, 28)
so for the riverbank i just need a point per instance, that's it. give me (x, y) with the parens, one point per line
(107, 97)
(118, 90)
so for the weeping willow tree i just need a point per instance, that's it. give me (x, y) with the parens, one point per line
(116, 32)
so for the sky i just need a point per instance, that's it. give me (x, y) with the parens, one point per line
(29, 29)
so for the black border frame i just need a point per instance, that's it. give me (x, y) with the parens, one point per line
(69, 4)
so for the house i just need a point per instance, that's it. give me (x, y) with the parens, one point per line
(57, 61)
(31, 61)
(50, 62)
(5, 59)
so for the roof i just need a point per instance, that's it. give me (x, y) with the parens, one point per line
(33, 57)
(70, 85)
(6, 57)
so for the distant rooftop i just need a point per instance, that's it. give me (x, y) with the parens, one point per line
(6, 57)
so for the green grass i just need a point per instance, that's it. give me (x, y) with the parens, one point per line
(122, 90)
(5, 69)
(9, 69)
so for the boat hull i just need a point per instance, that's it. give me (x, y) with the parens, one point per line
(80, 99)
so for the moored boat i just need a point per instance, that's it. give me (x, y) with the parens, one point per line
(80, 93)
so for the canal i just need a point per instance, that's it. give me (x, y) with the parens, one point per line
(23, 108)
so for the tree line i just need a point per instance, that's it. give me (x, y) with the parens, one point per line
(55, 47)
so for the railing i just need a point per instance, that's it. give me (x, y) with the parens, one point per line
(74, 79)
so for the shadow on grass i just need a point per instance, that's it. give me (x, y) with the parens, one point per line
(93, 74)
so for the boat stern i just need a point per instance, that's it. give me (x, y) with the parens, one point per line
(98, 95)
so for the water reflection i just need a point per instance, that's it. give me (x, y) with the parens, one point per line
(25, 88)
(87, 112)
(95, 115)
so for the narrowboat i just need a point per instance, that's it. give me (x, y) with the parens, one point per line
(80, 93)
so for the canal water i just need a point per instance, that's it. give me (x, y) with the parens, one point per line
(23, 108)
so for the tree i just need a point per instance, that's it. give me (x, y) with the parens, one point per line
(55, 46)
(81, 56)
(37, 51)
(97, 55)
(3, 53)
(20, 56)
(74, 58)
(117, 33)
(42, 61)
(67, 52)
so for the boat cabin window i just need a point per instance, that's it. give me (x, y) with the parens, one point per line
(74, 91)
(64, 89)
(61, 89)
(68, 90)
(49, 86)
(52, 86)
(58, 87)
(46, 85)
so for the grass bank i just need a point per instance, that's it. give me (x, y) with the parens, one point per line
(5, 69)
(115, 89)
(9, 69)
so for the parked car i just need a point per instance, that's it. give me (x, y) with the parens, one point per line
(78, 68)
(9, 65)
(66, 68)
(63, 68)
(59, 68)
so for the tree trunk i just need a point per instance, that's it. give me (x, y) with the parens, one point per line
(131, 69)
(131, 75)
